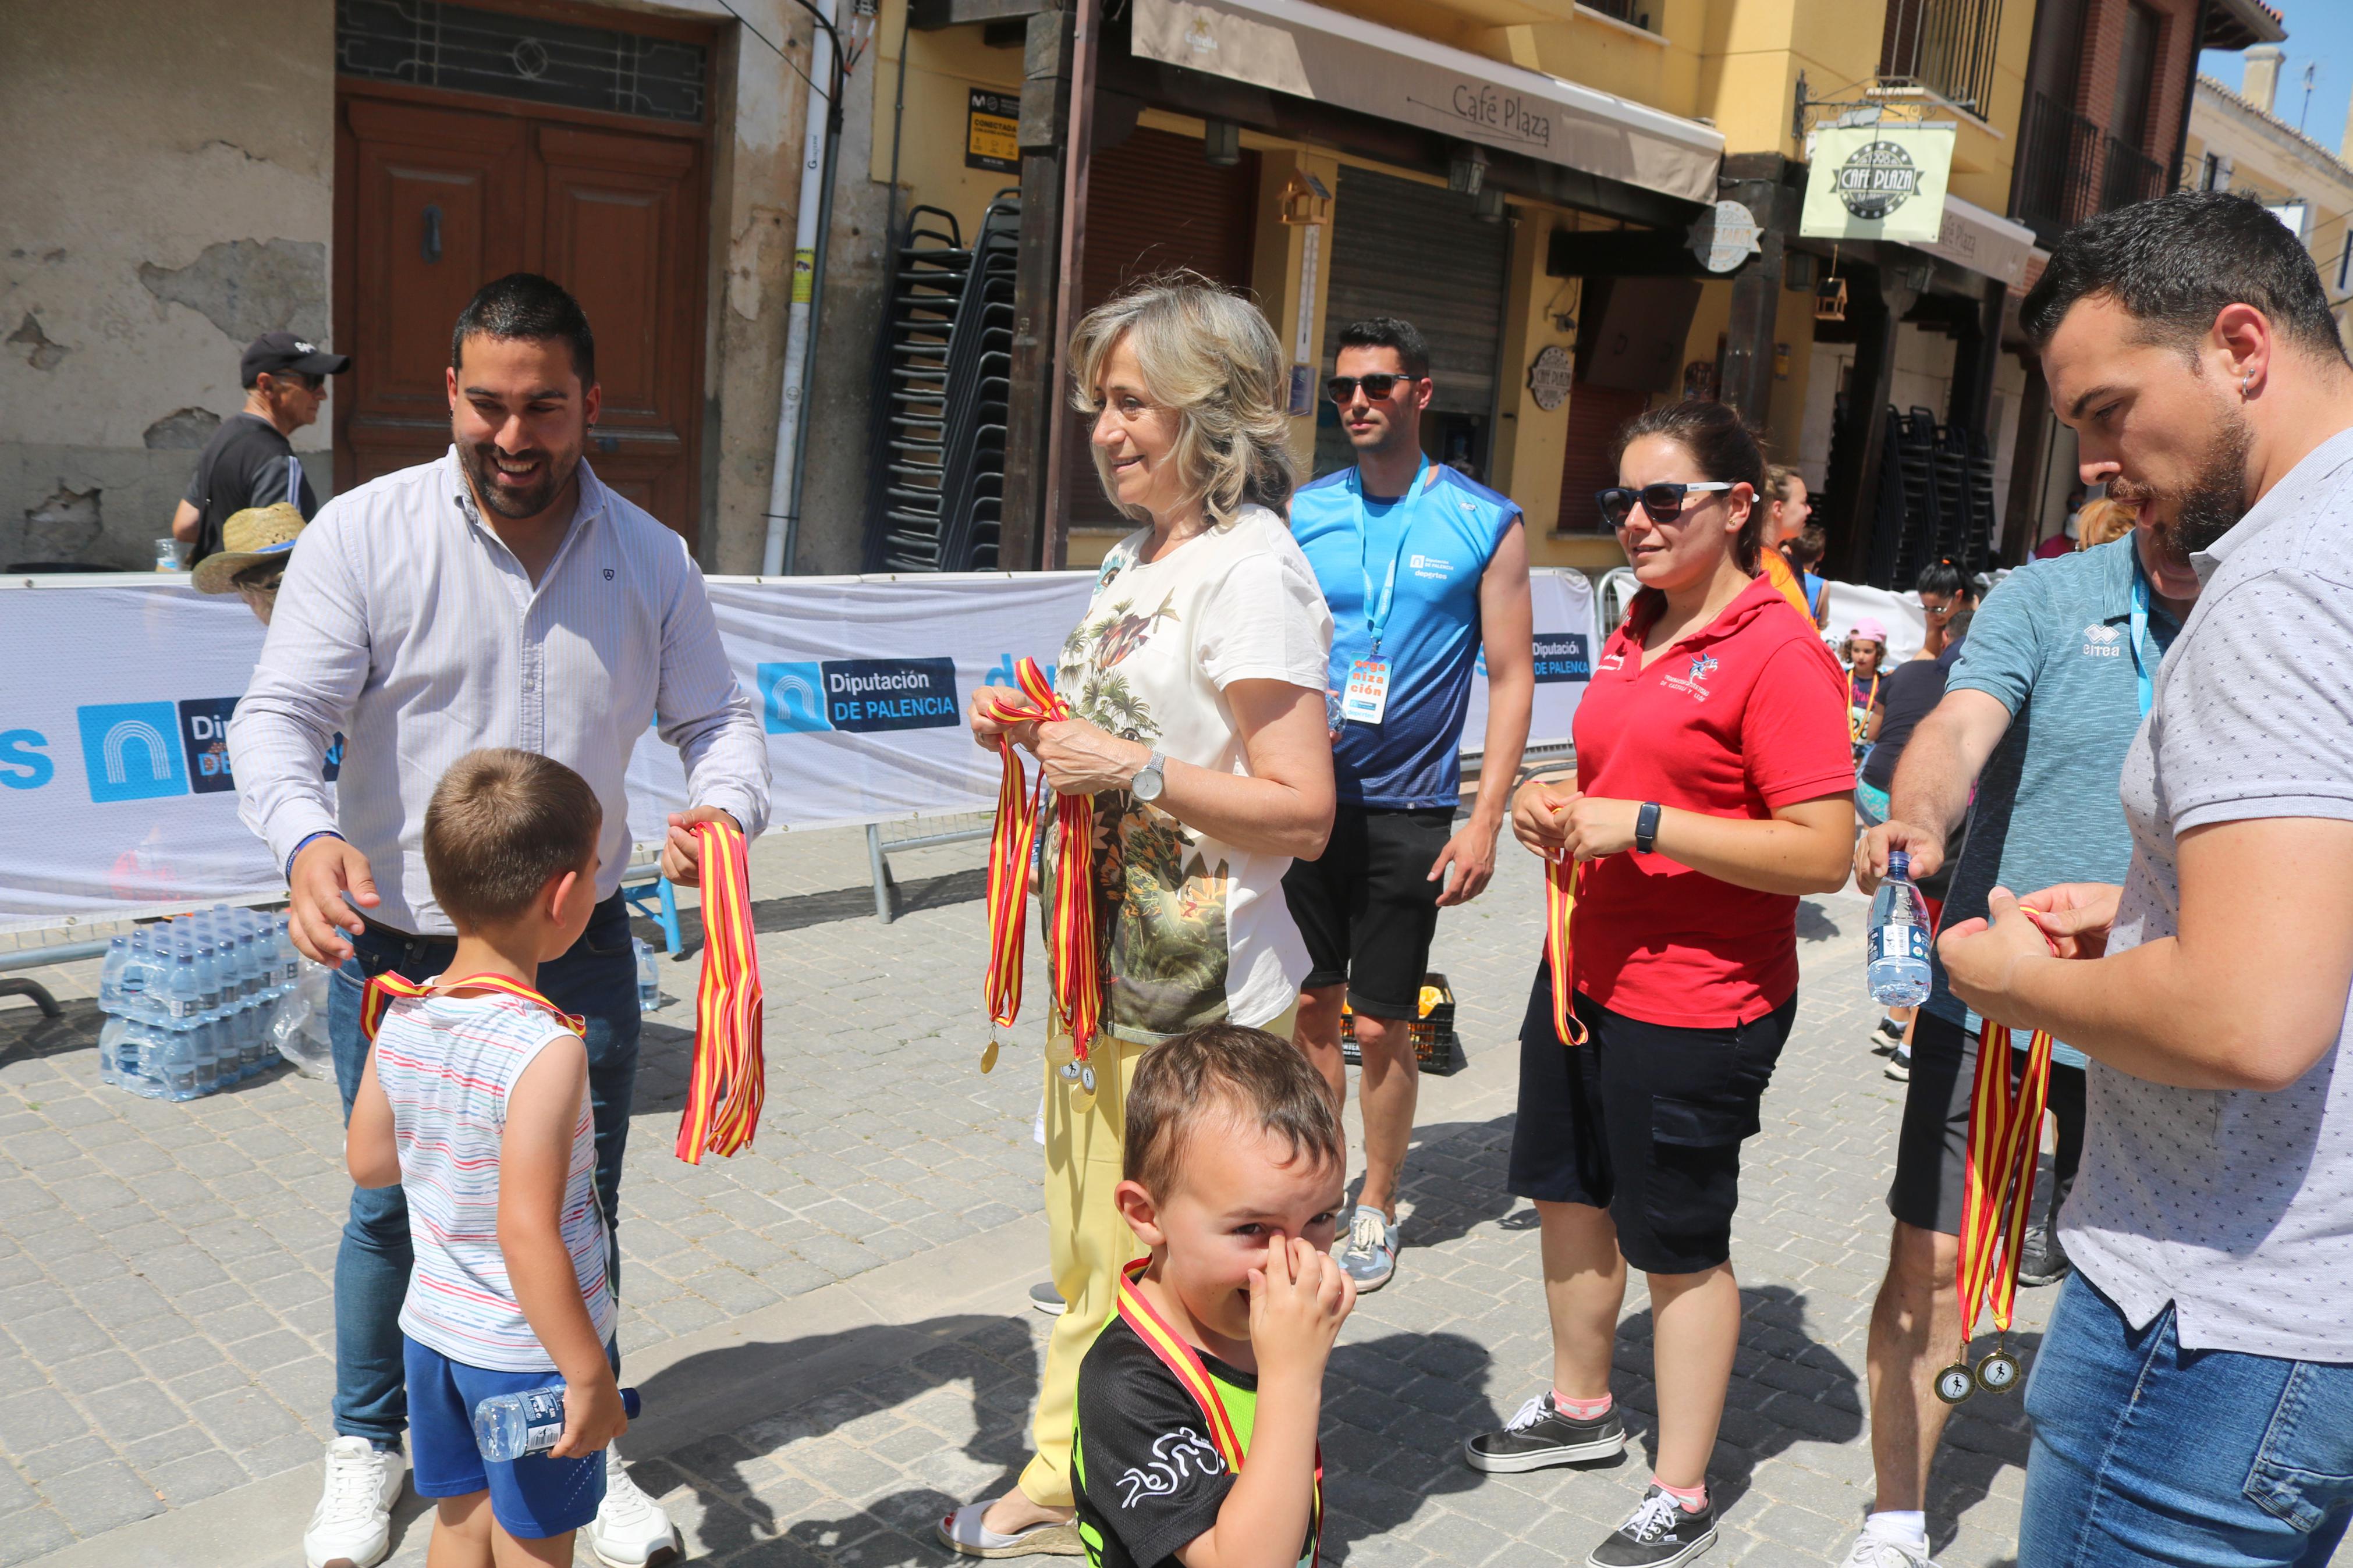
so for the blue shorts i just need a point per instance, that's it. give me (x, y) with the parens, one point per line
(532, 1498)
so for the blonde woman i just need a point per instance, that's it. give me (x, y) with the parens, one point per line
(1786, 508)
(2101, 522)
(1197, 678)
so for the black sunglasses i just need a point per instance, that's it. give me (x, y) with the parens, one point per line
(1664, 502)
(1342, 388)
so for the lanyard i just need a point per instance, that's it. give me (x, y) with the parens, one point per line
(380, 990)
(1184, 1363)
(1376, 619)
(1870, 699)
(2139, 625)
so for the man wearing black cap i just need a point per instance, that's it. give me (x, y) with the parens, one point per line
(249, 462)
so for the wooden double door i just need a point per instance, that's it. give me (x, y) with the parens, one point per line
(435, 198)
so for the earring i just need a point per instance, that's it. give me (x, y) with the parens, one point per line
(2245, 382)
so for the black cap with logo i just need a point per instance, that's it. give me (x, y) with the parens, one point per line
(278, 352)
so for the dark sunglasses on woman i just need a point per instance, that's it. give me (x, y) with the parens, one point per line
(1343, 388)
(1663, 501)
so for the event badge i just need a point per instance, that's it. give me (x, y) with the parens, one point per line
(1367, 697)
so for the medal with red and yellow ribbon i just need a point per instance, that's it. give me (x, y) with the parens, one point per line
(1563, 873)
(1997, 1188)
(729, 1081)
(1070, 921)
(385, 987)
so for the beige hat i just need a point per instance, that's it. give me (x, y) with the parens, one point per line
(258, 535)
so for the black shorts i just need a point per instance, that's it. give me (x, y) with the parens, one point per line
(1367, 910)
(1645, 1121)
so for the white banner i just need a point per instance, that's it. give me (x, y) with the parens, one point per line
(116, 796)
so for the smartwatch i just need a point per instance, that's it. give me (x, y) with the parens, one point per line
(1646, 828)
(1148, 782)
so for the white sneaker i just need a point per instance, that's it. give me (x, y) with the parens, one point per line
(1870, 1551)
(353, 1525)
(631, 1530)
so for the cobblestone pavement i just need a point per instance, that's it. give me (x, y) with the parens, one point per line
(834, 1321)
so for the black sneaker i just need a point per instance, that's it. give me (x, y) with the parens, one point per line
(1540, 1436)
(1899, 1064)
(2043, 1261)
(1659, 1533)
(1886, 1037)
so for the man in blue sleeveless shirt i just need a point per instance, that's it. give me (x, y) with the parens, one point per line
(1422, 569)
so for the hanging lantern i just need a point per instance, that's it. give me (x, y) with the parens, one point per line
(1830, 300)
(1305, 199)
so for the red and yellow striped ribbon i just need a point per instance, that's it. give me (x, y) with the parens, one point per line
(729, 1081)
(385, 986)
(1070, 923)
(1184, 1364)
(2005, 1134)
(1561, 879)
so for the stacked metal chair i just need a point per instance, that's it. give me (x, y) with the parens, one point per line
(979, 379)
(906, 452)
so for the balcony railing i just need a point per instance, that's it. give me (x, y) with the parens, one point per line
(2070, 169)
(1946, 46)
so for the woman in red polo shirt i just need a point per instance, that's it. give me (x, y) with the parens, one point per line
(1714, 785)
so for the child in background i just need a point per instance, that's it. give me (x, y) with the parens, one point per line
(475, 1099)
(1234, 1170)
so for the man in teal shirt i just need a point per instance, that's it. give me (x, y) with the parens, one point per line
(2049, 690)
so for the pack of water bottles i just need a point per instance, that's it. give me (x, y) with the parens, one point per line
(189, 1003)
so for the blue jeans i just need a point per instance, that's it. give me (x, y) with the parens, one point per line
(596, 979)
(2145, 1452)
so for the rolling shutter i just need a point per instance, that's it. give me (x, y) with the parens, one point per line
(1154, 204)
(1594, 414)
(1417, 252)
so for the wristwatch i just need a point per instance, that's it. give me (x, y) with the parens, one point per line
(1646, 828)
(1148, 782)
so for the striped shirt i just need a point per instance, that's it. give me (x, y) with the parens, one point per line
(406, 626)
(446, 1063)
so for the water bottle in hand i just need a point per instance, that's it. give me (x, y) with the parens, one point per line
(1898, 968)
(509, 1427)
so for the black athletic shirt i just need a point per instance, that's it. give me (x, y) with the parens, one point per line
(247, 463)
(1908, 694)
(1146, 1476)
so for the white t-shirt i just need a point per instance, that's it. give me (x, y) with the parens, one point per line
(1192, 930)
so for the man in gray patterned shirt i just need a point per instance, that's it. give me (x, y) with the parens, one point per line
(2193, 1400)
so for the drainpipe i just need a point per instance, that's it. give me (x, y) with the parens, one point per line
(784, 476)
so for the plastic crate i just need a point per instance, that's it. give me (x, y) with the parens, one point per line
(1435, 1044)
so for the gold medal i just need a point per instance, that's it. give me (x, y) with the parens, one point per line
(1955, 1384)
(1997, 1372)
(989, 1057)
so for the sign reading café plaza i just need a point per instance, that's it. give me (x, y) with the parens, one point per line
(1877, 182)
(1312, 52)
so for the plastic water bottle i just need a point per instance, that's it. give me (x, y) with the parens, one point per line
(289, 958)
(109, 1048)
(138, 1058)
(1898, 970)
(109, 977)
(507, 1427)
(648, 977)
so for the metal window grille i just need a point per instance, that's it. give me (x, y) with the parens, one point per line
(425, 43)
(2069, 170)
(1946, 46)
(2345, 263)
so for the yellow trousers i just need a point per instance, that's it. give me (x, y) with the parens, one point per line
(1088, 1241)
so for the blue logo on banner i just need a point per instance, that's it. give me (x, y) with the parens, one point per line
(129, 751)
(794, 698)
(23, 762)
(1562, 656)
(860, 696)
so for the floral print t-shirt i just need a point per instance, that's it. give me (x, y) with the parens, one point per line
(1192, 930)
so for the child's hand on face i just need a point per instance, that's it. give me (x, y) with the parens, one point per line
(593, 1417)
(1298, 1301)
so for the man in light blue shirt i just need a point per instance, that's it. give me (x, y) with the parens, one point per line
(2035, 720)
(1423, 569)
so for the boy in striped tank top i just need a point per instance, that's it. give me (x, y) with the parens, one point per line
(475, 1099)
(1198, 1403)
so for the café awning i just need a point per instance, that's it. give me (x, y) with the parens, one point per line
(1973, 237)
(1308, 51)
